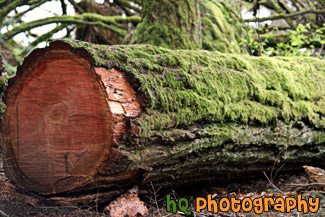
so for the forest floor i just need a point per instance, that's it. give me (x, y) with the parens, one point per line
(14, 202)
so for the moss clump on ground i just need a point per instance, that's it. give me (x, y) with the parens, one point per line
(185, 86)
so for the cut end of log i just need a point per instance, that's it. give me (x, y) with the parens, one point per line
(63, 119)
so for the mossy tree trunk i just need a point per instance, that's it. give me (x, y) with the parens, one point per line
(169, 23)
(84, 118)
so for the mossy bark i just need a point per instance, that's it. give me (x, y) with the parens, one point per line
(206, 116)
(222, 29)
(2, 85)
(169, 23)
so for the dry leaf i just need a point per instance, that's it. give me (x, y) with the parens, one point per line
(127, 205)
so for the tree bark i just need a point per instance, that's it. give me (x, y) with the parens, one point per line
(169, 23)
(221, 31)
(83, 117)
(2, 86)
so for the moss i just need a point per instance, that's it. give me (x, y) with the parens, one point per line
(178, 25)
(184, 87)
(171, 24)
(221, 28)
(218, 144)
(110, 19)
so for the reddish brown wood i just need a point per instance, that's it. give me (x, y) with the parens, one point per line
(63, 120)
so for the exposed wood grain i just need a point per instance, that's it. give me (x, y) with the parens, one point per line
(62, 124)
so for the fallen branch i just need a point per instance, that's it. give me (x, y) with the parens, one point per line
(308, 184)
(106, 22)
(3, 214)
(285, 16)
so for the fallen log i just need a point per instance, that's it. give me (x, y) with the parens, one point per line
(82, 117)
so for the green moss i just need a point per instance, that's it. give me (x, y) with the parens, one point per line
(178, 25)
(110, 19)
(221, 28)
(184, 87)
(171, 24)
(215, 144)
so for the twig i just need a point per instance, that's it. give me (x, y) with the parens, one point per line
(76, 6)
(47, 35)
(31, 7)
(84, 19)
(11, 5)
(276, 160)
(64, 7)
(155, 195)
(3, 213)
(274, 185)
(276, 173)
(309, 184)
(200, 214)
(128, 5)
(271, 181)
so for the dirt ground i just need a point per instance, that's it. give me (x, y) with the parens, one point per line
(15, 202)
